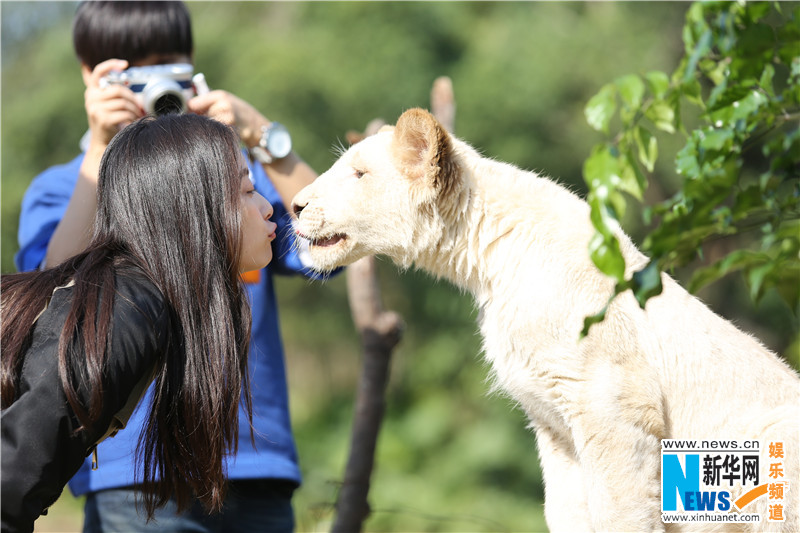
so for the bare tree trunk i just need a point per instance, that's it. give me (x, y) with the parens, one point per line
(380, 332)
(443, 103)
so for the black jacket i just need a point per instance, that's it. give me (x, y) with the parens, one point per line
(40, 451)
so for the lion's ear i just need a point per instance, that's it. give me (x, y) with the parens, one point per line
(422, 149)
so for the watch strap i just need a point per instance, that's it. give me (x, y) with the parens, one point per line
(261, 155)
(259, 151)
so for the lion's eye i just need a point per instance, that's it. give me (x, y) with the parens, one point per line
(359, 173)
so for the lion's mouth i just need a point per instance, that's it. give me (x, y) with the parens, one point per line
(323, 242)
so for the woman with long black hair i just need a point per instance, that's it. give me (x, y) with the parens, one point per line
(156, 296)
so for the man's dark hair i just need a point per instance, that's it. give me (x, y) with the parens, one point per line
(130, 30)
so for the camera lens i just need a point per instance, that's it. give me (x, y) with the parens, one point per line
(168, 104)
(162, 96)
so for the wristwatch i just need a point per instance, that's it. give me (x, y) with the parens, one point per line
(275, 143)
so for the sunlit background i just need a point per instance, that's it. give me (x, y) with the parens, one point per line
(450, 457)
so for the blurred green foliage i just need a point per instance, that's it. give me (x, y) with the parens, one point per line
(740, 80)
(451, 457)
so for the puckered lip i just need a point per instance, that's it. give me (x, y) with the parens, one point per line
(323, 241)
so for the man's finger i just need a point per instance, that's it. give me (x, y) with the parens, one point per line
(103, 69)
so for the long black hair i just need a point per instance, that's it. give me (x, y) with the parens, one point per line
(168, 203)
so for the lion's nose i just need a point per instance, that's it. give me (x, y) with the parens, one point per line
(297, 207)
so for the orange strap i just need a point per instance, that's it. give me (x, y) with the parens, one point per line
(253, 276)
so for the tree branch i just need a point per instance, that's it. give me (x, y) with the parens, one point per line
(380, 332)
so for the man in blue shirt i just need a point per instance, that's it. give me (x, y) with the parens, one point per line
(57, 213)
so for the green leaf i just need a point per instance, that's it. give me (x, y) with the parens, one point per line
(716, 139)
(616, 202)
(647, 283)
(601, 108)
(606, 255)
(758, 10)
(695, 26)
(756, 277)
(766, 80)
(724, 96)
(790, 246)
(599, 214)
(716, 72)
(750, 104)
(789, 229)
(748, 201)
(789, 290)
(692, 91)
(631, 90)
(702, 47)
(737, 260)
(742, 108)
(602, 169)
(795, 67)
(784, 151)
(789, 39)
(686, 161)
(647, 147)
(606, 175)
(658, 83)
(633, 180)
(662, 115)
(589, 321)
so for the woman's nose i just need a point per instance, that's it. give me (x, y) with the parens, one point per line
(267, 210)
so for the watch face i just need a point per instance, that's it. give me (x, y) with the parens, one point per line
(279, 142)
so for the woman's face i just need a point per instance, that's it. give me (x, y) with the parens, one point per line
(258, 231)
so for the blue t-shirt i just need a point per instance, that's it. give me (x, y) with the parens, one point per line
(274, 455)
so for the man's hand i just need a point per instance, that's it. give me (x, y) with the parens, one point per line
(233, 111)
(109, 108)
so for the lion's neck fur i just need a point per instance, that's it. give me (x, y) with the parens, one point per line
(497, 212)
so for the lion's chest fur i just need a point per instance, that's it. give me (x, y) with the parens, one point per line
(519, 246)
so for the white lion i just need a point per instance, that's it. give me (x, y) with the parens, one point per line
(599, 406)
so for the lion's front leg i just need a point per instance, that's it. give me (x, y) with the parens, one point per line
(620, 461)
(565, 496)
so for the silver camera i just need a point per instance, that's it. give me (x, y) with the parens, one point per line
(162, 89)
